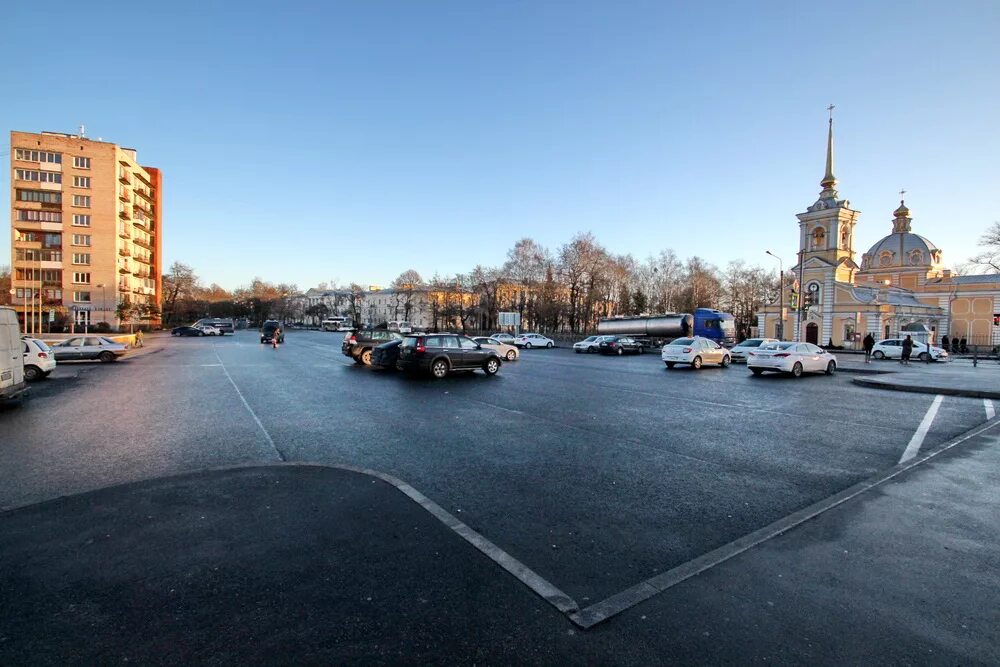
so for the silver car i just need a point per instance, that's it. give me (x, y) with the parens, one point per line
(79, 348)
(740, 351)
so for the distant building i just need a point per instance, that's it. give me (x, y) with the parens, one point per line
(900, 284)
(86, 221)
(423, 306)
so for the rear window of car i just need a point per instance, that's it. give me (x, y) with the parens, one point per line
(751, 342)
(683, 341)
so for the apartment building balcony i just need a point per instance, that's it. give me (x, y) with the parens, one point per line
(145, 194)
(139, 241)
(124, 268)
(124, 231)
(140, 223)
(28, 245)
(124, 214)
(124, 178)
(124, 195)
(36, 226)
(124, 252)
(143, 206)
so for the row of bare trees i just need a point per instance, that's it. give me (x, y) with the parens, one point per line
(186, 299)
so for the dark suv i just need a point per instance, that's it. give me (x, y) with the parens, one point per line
(439, 354)
(270, 330)
(358, 345)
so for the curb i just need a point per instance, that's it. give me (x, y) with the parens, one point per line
(863, 371)
(921, 389)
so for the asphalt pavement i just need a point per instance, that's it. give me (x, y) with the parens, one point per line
(593, 473)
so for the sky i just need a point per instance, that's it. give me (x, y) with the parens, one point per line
(347, 142)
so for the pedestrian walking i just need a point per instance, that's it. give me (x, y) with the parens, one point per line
(944, 343)
(963, 346)
(138, 338)
(907, 351)
(868, 344)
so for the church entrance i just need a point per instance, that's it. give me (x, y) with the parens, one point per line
(812, 333)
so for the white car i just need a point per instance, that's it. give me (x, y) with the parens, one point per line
(508, 352)
(39, 360)
(791, 357)
(209, 330)
(739, 351)
(590, 344)
(892, 348)
(504, 338)
(694, 352)
(530, 340)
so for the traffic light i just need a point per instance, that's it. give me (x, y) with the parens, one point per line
(996, 319)
(807, 301)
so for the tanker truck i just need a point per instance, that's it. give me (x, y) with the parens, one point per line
(656, 330)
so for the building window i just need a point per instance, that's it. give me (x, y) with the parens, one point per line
(28, 255)
(37, 156)
(885, 259)
(844, 240)
(52, 241)
(81, 162)
(81, 220)
(81, 297)
(819, 238)
(53, 294)
(37, 176)
(39, 196)
(83, 201)
(38, 216)
(916, 257)
(81, 278)
(81, 181)
(81, 258)
(81, 239)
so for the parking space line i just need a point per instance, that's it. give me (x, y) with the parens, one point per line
(925, 425)
(253, 414)
(990, 411)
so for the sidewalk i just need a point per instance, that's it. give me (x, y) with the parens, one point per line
(296, 563)
(948, 378)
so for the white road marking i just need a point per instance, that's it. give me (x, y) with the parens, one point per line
(925, 425)
(253, 414)
(990, 411)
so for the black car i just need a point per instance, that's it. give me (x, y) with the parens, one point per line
(360, 343)
(620, 345)
(186, 331)
(385, 356)
(439, 354)
(270, 330)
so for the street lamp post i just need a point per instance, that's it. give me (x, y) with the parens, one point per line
(781, 296)
(104, 300)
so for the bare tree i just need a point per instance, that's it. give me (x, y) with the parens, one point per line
(989, 258)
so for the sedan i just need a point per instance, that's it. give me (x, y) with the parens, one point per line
(505, 350)
(530, 340)
(694, 352)
(740, 351)
(209, 330)
(504, 338)
(893, 349)
(39, 359)
(186, 331)
(790, 357)
(619, 345)
(385, 356)
(88, 347)
(590, 344)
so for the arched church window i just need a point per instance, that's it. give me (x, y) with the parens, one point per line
(819, 238)
(844, 240)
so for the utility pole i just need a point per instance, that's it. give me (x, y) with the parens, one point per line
(781, 297)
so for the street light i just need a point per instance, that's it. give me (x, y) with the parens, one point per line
(104, 300)
(781, 297)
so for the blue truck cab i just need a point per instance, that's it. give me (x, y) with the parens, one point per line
(715, 324)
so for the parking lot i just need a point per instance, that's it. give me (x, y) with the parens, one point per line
(595, 472)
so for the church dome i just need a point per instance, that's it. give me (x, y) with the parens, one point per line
(902, 248)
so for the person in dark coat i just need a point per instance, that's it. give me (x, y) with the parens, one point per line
(944, 343)
(963, 346)
(907, 350)
(868, 344)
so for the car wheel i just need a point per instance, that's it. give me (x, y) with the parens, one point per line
(725, 360)
(106, 357)
(32, 373)
(756, 371)
(591, 350)
(511, 355)
(922, 356)
(439, 368)
(366, 357)
(262, 341)
(357, 359)
(620, 352)
(831, 368)
(797, 370)
(878, 354)
(492, 366)
(669, 364)
(549, 345)
(527, 346)
(696, 363)
(578, 350)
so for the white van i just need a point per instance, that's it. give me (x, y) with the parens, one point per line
(12, 383)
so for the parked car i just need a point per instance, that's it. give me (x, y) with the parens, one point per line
(739, 352)
(892, 348)
(505, 350)
(530, 340)
(81, 348)
(440, 354)
(39, 359)
(385, 356)
(225, 326)
(359, 344)
(270, 330)
(589, 344)
(791, 357)
(619, 345)
(186, 331)
(504, 337)
(209, 330)
(695, 352)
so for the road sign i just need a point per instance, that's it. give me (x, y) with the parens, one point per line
(79, 308)
(510, 319)
(52, 314)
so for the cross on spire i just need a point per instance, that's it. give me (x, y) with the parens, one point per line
(830, 109)
(901, 194)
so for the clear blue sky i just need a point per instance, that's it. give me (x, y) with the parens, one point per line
(348, 141)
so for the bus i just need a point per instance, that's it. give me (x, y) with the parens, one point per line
(337, 324)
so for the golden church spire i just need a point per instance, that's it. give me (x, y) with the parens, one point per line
(829, 180)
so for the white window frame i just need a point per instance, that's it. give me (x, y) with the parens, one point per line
(81, 220)
(81, 201)
(81, 182)
(81, 258)
(82, 240)
(81, 277)
(77, 297)
(81, 162)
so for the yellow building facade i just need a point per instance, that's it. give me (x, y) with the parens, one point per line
(901, 285)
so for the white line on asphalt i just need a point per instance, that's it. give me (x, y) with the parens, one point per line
(925, 425)
(249, 409)
(990, 412)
